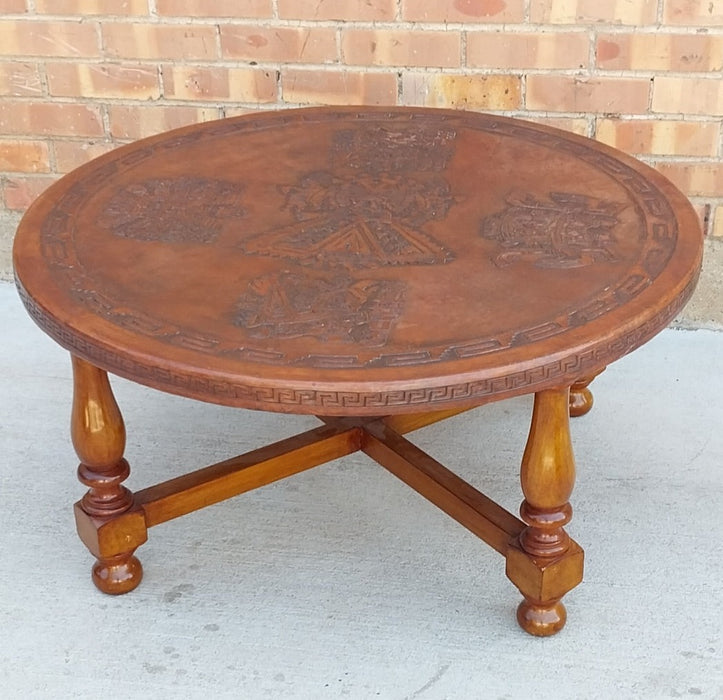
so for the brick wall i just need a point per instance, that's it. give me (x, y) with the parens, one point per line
(79, 77)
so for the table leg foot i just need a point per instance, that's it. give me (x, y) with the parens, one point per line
(117, 575)
(581, 398)
(543, 562)
(541, 619)
(107, 520)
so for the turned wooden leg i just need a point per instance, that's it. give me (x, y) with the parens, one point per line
(581, 399)
(544, 563)
(105, 518)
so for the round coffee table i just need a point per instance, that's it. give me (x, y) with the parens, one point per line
(382, 268)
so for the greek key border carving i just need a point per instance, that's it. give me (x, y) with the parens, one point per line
(566, 370)
(57, 239)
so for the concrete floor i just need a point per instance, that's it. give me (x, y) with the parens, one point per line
(341, 582)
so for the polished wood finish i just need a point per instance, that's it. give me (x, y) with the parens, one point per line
(437, 484)
(547, 476)
(381, 268)
(98, 435)
(581, 398)
(218, 482)
(391, 261)
(406, 423)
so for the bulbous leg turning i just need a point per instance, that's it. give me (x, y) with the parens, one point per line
(117, 575)
(106, 521)
(543, 562)
(541, 619)
(581, 398)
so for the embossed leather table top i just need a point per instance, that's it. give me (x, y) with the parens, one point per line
(349, 261)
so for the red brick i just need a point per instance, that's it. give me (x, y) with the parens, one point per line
(138, 121)
(717, 222)
(565, 93)
(21, 192)
(702, 96)
(661, 137)
(401, 48)
(152, 41)
(494, 92)
(702, 210)
(105, 80)
(243, 9)
(694, 179)
(8, 7)
(47, 118)
(24, 156)
(693, 12)
(254, 42)
(632, 12)
(663, 52)
(548, 50)
(72, 154)
(575, 125)
(463, 10)
(338, 87)
(92, 7)
(48, 38)
(209, 83)
(360, 10)
(238, 111)
(19, 79)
